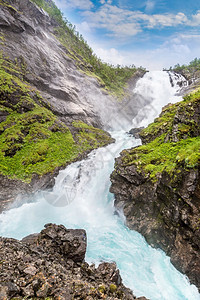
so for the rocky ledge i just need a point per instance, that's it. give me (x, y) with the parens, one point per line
(158, 185)
(51, 264)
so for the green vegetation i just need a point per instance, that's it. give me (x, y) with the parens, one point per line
(33, 140)
(164, 123)
(161, 153)
(193, 66)
(190, 71)
(157, 156)
(113, 288)
(89, 137)
(112, 78)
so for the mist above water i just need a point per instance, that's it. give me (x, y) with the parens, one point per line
(81, 199)
(152, 92)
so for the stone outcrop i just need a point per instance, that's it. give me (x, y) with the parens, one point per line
(44, 89)
(158, 185)
(135, 132)
(51, 264)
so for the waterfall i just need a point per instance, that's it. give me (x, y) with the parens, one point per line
(156, 89)
(81, 199)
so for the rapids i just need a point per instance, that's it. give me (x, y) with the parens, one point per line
(81, 199)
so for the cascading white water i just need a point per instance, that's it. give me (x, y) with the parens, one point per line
(81, 199)
(155, 87)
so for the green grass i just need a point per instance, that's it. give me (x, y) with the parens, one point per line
(32, 139)
(156, 157)
(160, 153)
(164, 123)
(89, 137)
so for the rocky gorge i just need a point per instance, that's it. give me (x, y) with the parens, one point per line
(157, 184)
(50, 115)
(55, 106)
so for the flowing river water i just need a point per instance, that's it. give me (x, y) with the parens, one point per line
(81, 199)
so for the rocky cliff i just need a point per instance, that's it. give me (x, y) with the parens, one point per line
(52, 104)
(158, 184)
(51, 264)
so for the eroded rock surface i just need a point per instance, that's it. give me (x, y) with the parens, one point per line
(158, 185)
(40, 71)
(51, 264)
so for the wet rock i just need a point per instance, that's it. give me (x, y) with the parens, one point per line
(51, 264)
(71, 243)
(135, 132)
(165, 210)
(167, 216)
(29, 40)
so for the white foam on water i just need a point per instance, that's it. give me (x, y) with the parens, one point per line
(81, 199)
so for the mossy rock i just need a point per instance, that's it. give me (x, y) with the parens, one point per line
(102, 289)
(161, 153)
(113, 288)
(32, 139)
(188, 112)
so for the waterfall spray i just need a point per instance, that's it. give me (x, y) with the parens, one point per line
(81, 199)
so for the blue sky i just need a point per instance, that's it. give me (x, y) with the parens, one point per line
(149, 33)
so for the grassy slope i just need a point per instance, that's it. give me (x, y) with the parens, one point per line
(32, 139)
(161, 153)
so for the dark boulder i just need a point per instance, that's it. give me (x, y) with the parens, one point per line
(135, 132)
(51, 264)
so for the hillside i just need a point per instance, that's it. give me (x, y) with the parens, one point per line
(112, 78)
(158, 184)
(52, 96)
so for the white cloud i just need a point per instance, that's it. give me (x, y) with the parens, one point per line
(127, 29)
(119, 21)
(149, 6)
(116, 20)
(195, 19)
(181, 48)
(84, 27)
(167, 20)
(77, 4)
(124, 23)
(111, 55)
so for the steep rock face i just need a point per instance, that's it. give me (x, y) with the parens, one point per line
(158, 185)
(48, 106)
(51, 264)
(41, 93)
(28, 34)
